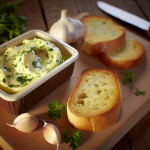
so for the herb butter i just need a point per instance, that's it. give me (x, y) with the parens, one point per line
(22, 65)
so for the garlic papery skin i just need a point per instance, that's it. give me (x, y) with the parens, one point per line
(66, 29)
(25, 123)
(51, 134)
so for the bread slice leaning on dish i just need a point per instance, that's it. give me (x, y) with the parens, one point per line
(129, 55)
(96, 100)
(101, 34)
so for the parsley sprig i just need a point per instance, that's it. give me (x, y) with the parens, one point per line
(55, 111)
(10, 24)
(129, 78)
(75, 138)
(138, 92)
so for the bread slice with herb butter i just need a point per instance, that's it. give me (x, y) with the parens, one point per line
(96, 100)
(101, 34)
(129, 55)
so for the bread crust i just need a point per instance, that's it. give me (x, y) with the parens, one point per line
(101, 46)
(100, 121)
(121, 64)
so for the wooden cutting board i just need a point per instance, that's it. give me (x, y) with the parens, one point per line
(133, 109)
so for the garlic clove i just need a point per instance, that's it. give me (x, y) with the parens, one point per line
(51, 134)
(66, 29)
(25, 123)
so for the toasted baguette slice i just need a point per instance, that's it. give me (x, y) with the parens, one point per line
(130, 54)
(101, 34)
(95, 102)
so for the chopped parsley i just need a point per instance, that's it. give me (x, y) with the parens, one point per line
(129, 78)
(57, 60)
(8, 76)
(15, 65)
(35, 40)
(11, 85)
(41, 50)
(23, 79)
(20, 59)
(42, 46)
(4, 80)
(50, 49)
(24, 52)
(47, 55)
(19, 73)
(138, 92)
(35, 64)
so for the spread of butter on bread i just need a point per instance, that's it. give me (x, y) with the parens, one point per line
(22, 65)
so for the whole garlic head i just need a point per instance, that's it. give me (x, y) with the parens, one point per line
(66, 29)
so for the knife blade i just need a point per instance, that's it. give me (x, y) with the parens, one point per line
(125, 16)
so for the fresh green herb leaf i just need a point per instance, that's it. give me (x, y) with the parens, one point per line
(138, 92)
(55, 111)
(11, 25)
(129, 77)
(75, 138)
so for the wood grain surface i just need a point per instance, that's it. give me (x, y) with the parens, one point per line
(41, 14)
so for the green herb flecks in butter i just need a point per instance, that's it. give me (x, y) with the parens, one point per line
(24, 64)
(23, 79)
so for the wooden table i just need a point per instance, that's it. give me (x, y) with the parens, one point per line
(41, 14)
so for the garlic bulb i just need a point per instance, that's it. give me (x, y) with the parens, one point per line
(66, 29)
(25, 123)
(51, 134)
